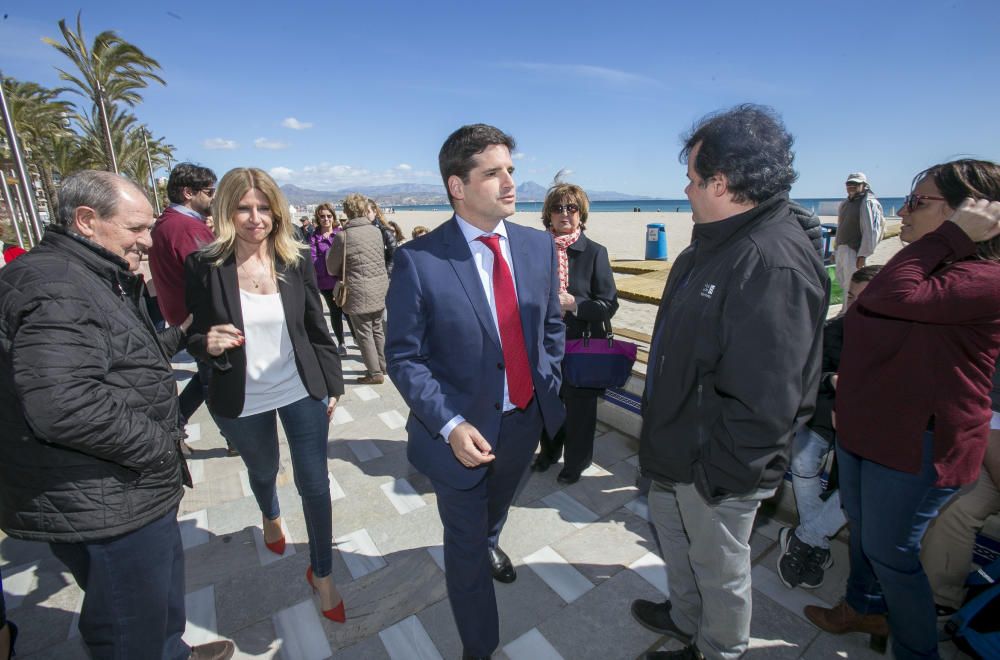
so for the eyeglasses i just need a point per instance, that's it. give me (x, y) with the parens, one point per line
(852, 184)
(325, 216)
(912, 201)
(565, 208)
(209, 191)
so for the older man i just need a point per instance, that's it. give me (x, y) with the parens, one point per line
(89, 455)
(859, 228)
(733, 372)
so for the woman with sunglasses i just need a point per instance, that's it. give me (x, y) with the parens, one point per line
(913, 405)
(258, 322)
(319, 244)
(589, 299)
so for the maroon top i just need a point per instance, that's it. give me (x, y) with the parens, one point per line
(921, 342)
(175, 236)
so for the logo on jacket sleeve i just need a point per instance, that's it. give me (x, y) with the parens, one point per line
(707, 290)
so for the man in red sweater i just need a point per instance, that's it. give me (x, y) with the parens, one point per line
(178, 232)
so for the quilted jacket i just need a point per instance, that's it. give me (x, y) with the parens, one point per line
(88, 400)
(367, 281)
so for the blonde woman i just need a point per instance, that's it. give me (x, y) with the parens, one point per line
(259, 322)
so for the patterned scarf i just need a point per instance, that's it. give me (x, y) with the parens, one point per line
(562, 242)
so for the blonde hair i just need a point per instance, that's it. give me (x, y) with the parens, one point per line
(236, 183)
(377, 210)
(355, 206)
(419, 230)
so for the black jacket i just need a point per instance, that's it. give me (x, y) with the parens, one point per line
(213, 296)
(88, 400)
(593, 285)
(735, 359)
(833, 343)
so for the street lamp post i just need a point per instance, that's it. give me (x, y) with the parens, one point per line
(152, 180)
(6, 198)
(107, 128)
(22, 173)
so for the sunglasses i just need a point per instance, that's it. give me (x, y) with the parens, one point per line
(565, 208)
(326, 216)
(209, 191)
(912, 201)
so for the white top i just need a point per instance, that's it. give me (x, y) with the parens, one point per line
(272, 379)
(482, 256)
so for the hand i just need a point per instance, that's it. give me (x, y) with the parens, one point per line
(979, 219)
(187, 323)
(833, 381)
(331, 406)
(469, 446)
(567, 302)
(860, 263)
(221, 338)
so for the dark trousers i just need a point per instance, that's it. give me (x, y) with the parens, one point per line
(337, 317)
(576, 437)
(888, 512)
(133, 604)
(195, 393)
(470, 517)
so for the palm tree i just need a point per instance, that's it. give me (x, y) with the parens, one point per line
(111, 71)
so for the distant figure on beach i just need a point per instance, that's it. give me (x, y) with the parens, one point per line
(475, 340)
(304, 230)
(389, 241)
(418, 231)
(733, 369)
(859, 228)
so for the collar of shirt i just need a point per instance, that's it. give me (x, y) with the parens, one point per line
(471, 233)
(187, 210)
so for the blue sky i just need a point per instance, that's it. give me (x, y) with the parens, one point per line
(334, 94)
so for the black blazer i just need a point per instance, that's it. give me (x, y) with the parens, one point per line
(212, 294)
(593, 285)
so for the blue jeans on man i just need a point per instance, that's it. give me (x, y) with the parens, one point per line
(819, 519)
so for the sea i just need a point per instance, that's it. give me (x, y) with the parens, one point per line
(818, 205)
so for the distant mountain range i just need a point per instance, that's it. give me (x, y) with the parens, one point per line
(417, 194)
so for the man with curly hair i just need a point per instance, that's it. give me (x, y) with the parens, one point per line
(733, 372)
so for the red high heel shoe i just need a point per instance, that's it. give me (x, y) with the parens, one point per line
(333, 614)
(277, 547)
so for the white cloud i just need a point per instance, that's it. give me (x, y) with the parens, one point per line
(282, 173)
(264, 143)
(219, 143)
(295, 124)
(598, 73)
(517, 155)
(404, 167)
(327, 176)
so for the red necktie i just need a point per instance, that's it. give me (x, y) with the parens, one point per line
(515, 355)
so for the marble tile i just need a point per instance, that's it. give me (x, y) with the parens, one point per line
(767, 582)
(301, 633)
(437, 554)
(245, 483)
(595, 470)
(559, 574)
(365, 393)
(18, 582)
(194, 528)
(364, 450)
(402, 496)
(341, 416)
(407, 640)
(569, 509)
(74, 625)
(336, 492)
(202, 625)
(359, 553)
(193, 433)
(532, 645)
(265, 556)
(633, 461)
(640, 507)
(651, 568)
(392, 419)
(197, 470)
(767, 527)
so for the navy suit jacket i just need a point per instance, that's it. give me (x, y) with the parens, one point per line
(443, 349)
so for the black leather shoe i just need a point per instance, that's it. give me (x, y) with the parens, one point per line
(500, 566)
(220, 650)
(541, 464)
(567, 477)
(656, 617)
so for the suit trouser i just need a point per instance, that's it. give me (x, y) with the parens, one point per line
(133, 591)
(470, 517)
(845, 259)
(368, 334)
(707, 551)
(576, 436)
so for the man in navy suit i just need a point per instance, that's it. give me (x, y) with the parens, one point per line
(474, 343)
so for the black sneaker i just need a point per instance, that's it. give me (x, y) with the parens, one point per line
(819, 560)
(689, 652)
(656, 617)
(792, 558)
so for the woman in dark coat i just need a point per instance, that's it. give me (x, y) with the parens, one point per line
(589, 299)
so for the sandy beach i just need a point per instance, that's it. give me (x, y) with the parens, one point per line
(624, 235)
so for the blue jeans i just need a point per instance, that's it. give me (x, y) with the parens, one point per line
(306, 424)
(888, 512)
(133, 591)
(819, 519)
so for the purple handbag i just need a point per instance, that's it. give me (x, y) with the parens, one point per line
(598, 363)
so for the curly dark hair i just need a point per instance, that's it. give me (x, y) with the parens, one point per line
(188, 175)
(457, 152)
(958, 179)
(750, 145)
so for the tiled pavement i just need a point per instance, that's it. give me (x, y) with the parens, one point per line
(582, 554)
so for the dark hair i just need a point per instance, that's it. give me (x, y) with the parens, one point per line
(95, 189)
(557, 194)
(958, 179)
(457, 152)
(750, 145)
(188, 175)
(865, 274)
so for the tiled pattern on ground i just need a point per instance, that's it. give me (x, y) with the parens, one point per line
(582, 554)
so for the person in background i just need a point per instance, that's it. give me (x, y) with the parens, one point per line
(389, 241)
(258, 321)
(319, 243)
(367, 282)
(397, 232)
(859, 228)
(418, 231)
(588, 299)
(928, 324)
